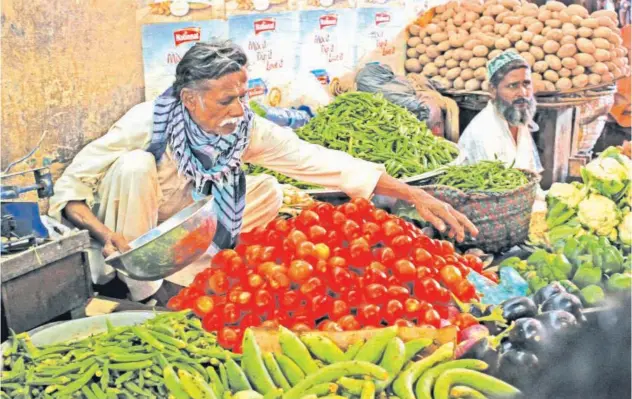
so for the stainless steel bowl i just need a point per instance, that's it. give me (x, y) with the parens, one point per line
(170, 247)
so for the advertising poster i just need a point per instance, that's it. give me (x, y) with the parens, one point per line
(246, 7)
(327, 45)
(326, 4)
(381, 37)
(271, 43)
(165, 44)
(156, 11)
(381, 3)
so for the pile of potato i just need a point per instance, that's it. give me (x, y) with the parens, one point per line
(566, 46)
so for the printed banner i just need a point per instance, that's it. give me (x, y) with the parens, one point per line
(381, 37)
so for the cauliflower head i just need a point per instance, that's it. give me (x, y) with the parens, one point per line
(568, 194)
(599, 214)
(609, 174)
(625, 230)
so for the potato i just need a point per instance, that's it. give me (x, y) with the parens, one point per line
(467, 74)
(527, 36)
(480, 73)
(467, 26)
(430, 70)
(601, 43)
(529, 10)
(568, 29)
(607, 22)
(546, 31)
(522, 46)
(510, 4)
(466, 55)
(551, 47)
(486, 40)
(472, 85)
(591, 23)
(607, 77)
(620, 62)
(577, 21)
(605, 13)
(594, 79)
(538, 41)
(528, 21)
(421, 48)
(602, 32)
(457, 41)
(585, 45)
(493, 54)
(458, 84)
(443, 71)
(569, 62)
(475, 7)
(412, 53)
(544, 15)
(487, 21)
(471, 16)
(584, 32)
(442, 82)
(549, 86)
(502, 29)
(555, 5)
(579, 70)
(448, 54)
(551, 76)
(512, 50)
(540, 67)
(564, 84)
(487, 29)
(602, 55)
(512, 19)
(567, 40)
(513, 36)
(567, 50)
(537, 52)
(414, 29)
(444, 16)
(413, 41)
(439, 37)
(433, 52)
(443, 46)
(539, 85)
(463, 64)
(536, 28)
(599, 68)
(614, 54)
(585, 60)
(517, 28)
(502, 44)
(529, 58)
(617, 73)
(615, 39)
(536, 76)
(480, 51)
(500, 17)
(424, 59)
(471, 43)
(431, 29)
(576, 9)
(427, 41)
(496, 9)
(553, 23)
(554, 62)
(477, 62)
(451, 64)
(412, 65)
(555, 35)
(439, 61)
(564, 73)
(611, 66)
(459, 19)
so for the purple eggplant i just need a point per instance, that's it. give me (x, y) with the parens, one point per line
(517, 367)
(519, 307)
(530, 334)
(556, 321)
(567, 302)
(483, 350)
(547, 292)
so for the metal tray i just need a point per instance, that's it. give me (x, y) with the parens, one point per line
(170, 247)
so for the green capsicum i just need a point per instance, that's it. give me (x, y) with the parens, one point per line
(619, 282)
(587, 274)
(592, 295)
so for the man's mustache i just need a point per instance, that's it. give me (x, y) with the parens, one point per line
(519, 101)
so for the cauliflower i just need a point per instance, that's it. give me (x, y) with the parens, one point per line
(625, 230)
(609, 174)
(568, 194)
(599, 214)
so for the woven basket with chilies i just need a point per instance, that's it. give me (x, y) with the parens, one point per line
(502, 218)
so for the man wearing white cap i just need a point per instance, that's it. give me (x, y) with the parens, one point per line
(502, 130)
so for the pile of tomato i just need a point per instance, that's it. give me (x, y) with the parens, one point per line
(332, 268)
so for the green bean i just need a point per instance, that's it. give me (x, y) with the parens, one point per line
(88, 392)
(487, 385)
(98, 392)
(136, 389)
(173, 383)
(131, 365)
(223, 375)
(493, 176)
(423, 390)
(79, 382)
(403, 384)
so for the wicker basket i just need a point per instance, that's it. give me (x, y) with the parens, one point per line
(501, 218)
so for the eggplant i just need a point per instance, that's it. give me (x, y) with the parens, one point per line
(530, 334)
(482, 350)
(505, 346)
(519, 307)
(517, 367)
(567, 302)
(556, 321)
(547, 292)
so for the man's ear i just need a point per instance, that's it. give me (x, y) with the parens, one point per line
(493, 91)
(189, 99)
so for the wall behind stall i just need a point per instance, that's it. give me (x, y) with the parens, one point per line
(69, 68)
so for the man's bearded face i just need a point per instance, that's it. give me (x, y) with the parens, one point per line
(514, 98)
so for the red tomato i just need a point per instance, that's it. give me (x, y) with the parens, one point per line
(351, 211)
(393, 280)
(404, 270)
(289, 300)
(428, 289)
(446, 248)
(338, 218)
(424, 272)
(360, 252)
(300, 271)
(235, 268)
(270, 324)
(203, 305)
(296, 237)
(230, 313)
(278, 281)
(212, 321)
(474, 262)
(306, 219)
(176, 303)
(221, 259)
(339, 308)
(364, 205)
(374, 275)
(372, 232)
(432, 318)
(380, 216)
(378, 266)
(249, 320)
(243, 300)
(322, 251)
(391, 229)
(412, 308)
(403, 323)
(305, 250)
(317, 233)
(465, 270)
(398, 292)
(402, 245)
(450, 275)
(300, 327)
(353, 298)
(337, 261)
(491, 275)
(392, 311)
(442, 296)
(253, 253)
(218, 282)
(464, 290)
(255, 281)
(341, 279)
(282, 226)
(465, 320)
(349, 323)
(320, 306)
(350, 230)
(421, 257)
(264, 302)
(329, 325)
(312, 287)
(375, 293)
(228, 337)
(385, 255)
(438, 262)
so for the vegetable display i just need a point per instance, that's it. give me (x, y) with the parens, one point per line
(369, 127)
(332, 268)
(566, 47)
(492, 176)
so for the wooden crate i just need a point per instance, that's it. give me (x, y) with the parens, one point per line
(45, 282)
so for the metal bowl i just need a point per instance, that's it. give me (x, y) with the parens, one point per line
(170, 247)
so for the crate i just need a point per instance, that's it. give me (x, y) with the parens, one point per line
(45, 282)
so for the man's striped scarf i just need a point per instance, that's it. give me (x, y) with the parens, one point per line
(212, 162)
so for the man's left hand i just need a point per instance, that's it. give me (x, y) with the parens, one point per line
(440, 214)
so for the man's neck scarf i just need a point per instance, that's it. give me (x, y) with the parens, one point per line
(212, 162)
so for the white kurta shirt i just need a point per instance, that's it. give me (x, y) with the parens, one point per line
(488, 137)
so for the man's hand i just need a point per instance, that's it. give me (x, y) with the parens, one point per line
(113, 243)
(440, 214)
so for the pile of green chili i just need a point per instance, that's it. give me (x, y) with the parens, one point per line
(494, 176)
(371, 128)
